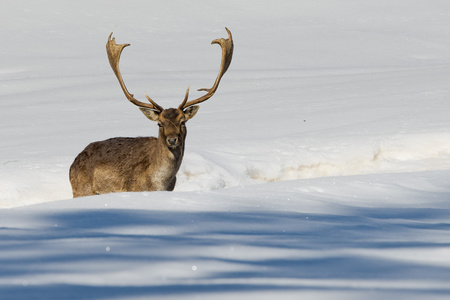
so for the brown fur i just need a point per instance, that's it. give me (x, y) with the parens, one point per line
(133, 164)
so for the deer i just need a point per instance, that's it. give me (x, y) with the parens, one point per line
(138, 164)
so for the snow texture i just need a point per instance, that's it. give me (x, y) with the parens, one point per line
(319, 170)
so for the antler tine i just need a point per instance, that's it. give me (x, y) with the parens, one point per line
(182, 105)
(157, 107)
(113, 50)
(227, 54)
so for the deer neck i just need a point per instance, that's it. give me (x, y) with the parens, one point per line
(169, 158)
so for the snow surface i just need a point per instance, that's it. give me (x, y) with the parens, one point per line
(319, 170)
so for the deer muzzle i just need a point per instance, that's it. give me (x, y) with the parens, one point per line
(172, 141)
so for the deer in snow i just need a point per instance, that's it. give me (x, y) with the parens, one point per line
(138, 164)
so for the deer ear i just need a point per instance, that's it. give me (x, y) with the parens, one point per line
(190, 112)
(150, 113)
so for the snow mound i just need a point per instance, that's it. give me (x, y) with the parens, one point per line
(30, 182)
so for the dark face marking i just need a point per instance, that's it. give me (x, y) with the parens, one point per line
(172, 127)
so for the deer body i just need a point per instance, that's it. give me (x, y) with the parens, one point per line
(97, 171)
(142, 163)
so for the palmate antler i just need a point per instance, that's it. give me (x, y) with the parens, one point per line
(115, 50)
(227, 54)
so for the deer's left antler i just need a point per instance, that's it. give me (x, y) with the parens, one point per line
(227, 54)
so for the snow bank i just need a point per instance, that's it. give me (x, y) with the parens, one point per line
(367, 236)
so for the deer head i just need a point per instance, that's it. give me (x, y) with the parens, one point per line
(171, 121)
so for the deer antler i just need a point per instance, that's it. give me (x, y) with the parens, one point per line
(227, 54)
(114, 52)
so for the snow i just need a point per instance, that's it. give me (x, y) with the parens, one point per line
(319, 170)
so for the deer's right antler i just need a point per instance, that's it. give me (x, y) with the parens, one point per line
(114, 52)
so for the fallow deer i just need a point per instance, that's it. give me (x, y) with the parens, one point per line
(142, 163)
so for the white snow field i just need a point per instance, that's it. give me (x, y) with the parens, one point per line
(319, 170)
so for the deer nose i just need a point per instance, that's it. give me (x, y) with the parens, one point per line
(172, 141)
